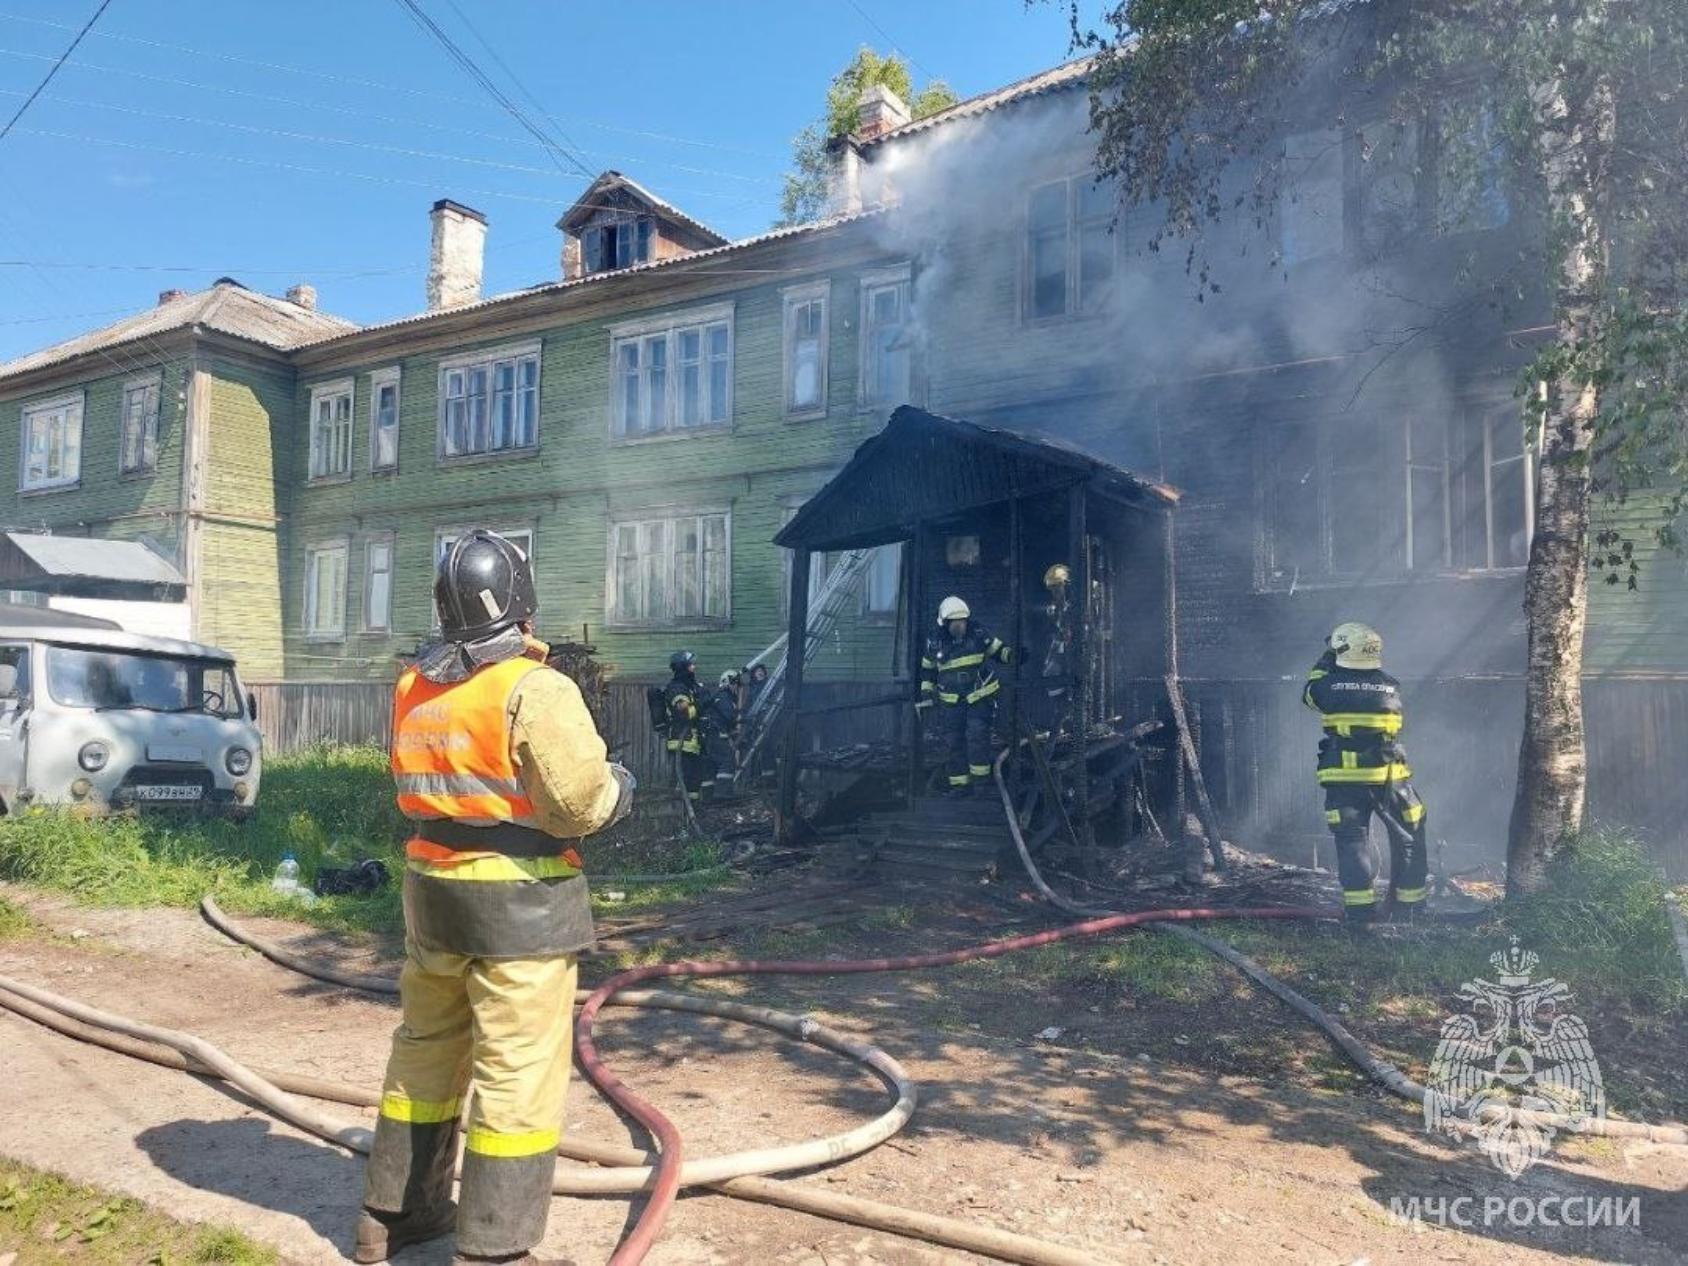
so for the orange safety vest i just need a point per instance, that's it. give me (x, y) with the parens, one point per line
(453, 763)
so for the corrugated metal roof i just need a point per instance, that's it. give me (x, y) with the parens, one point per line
(1045, 81)
(86, 556)
(227, 307)
(557, 287)
(609, 182)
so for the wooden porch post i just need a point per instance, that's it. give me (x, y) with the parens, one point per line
(1017, 631)
(916, 644)
(1078, 554)
(796, 651)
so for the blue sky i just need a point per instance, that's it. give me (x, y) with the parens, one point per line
(303, 140)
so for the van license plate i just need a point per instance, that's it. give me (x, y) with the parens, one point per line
(168, 793)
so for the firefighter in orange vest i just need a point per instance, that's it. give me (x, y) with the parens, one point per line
(501, 771)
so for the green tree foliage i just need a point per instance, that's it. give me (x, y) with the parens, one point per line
(804, 198)
(1587, 99)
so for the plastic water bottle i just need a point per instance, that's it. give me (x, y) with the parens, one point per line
(286, 881)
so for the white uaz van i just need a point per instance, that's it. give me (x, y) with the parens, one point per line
(91, 715)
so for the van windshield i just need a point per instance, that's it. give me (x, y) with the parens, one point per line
(80, 678)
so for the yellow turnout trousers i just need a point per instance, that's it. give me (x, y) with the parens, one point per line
(498, 1029)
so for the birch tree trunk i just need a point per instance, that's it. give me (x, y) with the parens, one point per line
(1575, 137)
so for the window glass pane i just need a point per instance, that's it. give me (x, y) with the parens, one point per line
(691, 378)
(1470, 186)
(1296, 538)
(1508, 492)
(1388, 183)
(715, 565)
(71, 465)
(1095, 265)
(1427, 492)
(654, 567)
(656, 383)
(882, 575)
(646, 231)
(627, 604)
(1095, 199)
(1047, 208)
(478, 408)
(1049, 274)
(805, 356)
(687, 565)
(627, 365)
(720, 372)
(1359, 546)
(378, 613)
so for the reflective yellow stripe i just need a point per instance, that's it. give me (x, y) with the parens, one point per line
(1363, 898)
(1414, 814)
(1377, 776)
(928, 663)
(985, 691)
(492, 1143)
(945, 697)
(418, 1111)
(500, 868)
(1333, 816)
(1350, 760)
(979, 771)
(1375, 722)
(959, 780)
(1409, 895)
(1316, 674)
(963, 661)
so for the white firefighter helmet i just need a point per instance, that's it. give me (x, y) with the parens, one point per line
(953, 608)
(1057, 577)
(1357, 646)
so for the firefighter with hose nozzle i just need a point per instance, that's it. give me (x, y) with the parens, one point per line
(501, 772)
(1364, 772)
(956, 675)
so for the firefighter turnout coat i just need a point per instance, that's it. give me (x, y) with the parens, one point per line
(1360, 709)
(499, 773)
(959, 670)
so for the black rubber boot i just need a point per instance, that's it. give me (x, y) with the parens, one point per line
(380, 1235)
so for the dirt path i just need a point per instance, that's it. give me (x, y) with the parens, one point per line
(1132, 1158)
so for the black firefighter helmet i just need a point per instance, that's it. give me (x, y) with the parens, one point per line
(682, 663)
(484, 586)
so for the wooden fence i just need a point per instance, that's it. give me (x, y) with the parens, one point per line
(296, 715)
(1257, 744)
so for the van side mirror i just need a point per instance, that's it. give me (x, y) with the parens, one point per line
(252, 705)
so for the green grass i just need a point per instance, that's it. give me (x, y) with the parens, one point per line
(327, 806)
(47, 1218)
(15, 922)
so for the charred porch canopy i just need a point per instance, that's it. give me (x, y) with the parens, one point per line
(925, 467)
(87, 567)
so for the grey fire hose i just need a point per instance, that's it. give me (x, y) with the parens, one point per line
(1379, 1070)
(274, 1090)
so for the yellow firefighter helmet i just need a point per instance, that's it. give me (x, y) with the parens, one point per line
(1357, 646)
(953, 608)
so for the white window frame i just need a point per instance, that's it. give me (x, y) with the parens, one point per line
(794, 298)
(72, 402)
(670, 325)
(869, 391)
(614, 619)
(388, 542)
(148, 462)
(1073, 306)
(314, 554)
(487, 359)
(380, 378)
(333, 471)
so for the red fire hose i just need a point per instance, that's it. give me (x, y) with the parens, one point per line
(665, 1182)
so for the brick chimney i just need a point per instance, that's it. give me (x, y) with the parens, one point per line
(843, 176)
(304, 294)
(878, 111)
(170, 296)
(573, 263)
(456, 255)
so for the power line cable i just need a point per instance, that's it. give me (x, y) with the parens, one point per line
(886, 36)
(317, 104)
(558, 153)
(54, 69)
(318, 138)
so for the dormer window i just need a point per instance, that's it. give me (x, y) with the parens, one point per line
(617, 223)
(618, 244)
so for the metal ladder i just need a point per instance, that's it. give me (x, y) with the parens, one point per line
(835, 594)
